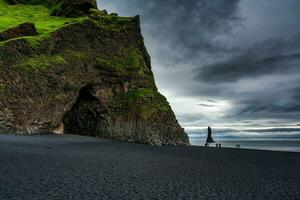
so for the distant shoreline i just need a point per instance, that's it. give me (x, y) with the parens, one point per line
(246, 149)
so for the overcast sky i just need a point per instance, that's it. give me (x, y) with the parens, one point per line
(224, 63)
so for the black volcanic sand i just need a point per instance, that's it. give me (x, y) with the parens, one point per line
(75, 167)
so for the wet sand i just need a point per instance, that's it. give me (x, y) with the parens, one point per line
(76, 167)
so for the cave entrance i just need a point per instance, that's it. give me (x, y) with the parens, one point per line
(60, 129)
(86, 117)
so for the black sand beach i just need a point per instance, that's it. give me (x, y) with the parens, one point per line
(75, 167)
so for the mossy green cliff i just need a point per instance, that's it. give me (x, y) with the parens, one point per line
(84, 73)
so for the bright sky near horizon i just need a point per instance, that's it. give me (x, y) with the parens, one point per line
(225, 63)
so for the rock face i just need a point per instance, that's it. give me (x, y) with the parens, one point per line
(73, 8)
(25, 29)
(91, 77)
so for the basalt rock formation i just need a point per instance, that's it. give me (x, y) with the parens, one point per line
(87, 75)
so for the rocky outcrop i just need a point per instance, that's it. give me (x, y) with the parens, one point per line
(25, 29)
(67, 8)
(77, 7)
(90, 77)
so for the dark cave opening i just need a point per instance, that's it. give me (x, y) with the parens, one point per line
(86, 115)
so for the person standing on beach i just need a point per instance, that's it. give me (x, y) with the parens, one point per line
(209, 137)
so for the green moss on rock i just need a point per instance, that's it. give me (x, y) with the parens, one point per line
(145, 101)
(130, 59)
(37, 62)
(112, 22)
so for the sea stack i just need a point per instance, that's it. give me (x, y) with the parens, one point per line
(88, 75)
(209, 138)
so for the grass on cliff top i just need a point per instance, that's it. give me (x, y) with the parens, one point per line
(13, 15)
(112, 21)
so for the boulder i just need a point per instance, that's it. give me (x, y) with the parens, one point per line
(25, 29)
(73, 8)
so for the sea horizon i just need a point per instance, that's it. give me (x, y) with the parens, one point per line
(260, 140)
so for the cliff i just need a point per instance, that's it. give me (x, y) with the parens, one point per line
(79, 70)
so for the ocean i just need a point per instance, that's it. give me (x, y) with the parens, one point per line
(273, 141)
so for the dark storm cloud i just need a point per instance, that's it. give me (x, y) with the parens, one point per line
(296, 93)
(180, 31)
(265, 107)
(282, 103)
(270, 56)
(211, 101)
(205, 105)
